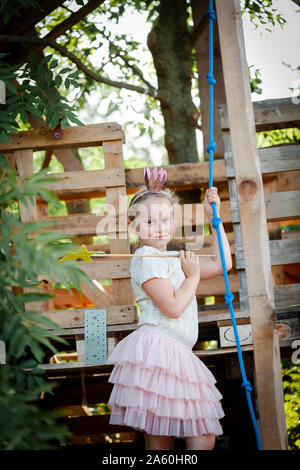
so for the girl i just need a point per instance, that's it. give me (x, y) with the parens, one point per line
(160, 386)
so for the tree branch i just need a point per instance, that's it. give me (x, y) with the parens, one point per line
(135, 70)
(62, 27)
(88, 72)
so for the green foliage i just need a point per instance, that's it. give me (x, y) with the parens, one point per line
(263, 12)
(278, 137)
(27, 334)
(9, 8)
(32, 89)
(291, 387)
(255, 81)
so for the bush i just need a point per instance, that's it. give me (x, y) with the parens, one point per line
(24, 259)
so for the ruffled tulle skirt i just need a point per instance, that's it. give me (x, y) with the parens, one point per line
(161, 387)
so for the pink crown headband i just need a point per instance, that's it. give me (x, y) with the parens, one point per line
(153, 183)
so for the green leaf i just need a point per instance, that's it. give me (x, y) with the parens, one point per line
(53, 63)
(41, 319)
(58, 80)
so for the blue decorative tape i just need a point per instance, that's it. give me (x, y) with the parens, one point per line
(95, 338)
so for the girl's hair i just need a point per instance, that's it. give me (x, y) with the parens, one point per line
(169, 196)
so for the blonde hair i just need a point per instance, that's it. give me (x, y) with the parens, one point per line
(167, 194)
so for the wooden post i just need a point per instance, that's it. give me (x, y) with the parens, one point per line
(113, 158)
(254, 226)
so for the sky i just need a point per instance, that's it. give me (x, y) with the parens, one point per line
(264, 50)
(267, 51)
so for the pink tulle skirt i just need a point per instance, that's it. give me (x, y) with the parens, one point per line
(161, 387)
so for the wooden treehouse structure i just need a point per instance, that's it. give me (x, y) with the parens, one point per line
(259, 190)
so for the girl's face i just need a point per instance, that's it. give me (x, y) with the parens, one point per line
(154, 223)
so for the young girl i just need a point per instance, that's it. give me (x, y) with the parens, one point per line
(160, 386)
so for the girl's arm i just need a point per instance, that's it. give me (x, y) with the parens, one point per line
(172, 304)
(212, 267)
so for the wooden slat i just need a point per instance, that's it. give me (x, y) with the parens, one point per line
(116, 315)
(283, 206)
(282, 252)
(73, 182)
(272, 160)
(287, 295)
(107, 223)
(253, 225)
(84, 224)
(104, 269)
(72, 137)
(279, 206)
(75, 367)
(24, 163)
(216, 286)
(269, 114)
(113, 158)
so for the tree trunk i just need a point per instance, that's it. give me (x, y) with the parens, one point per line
(170, 45)
(199, 10)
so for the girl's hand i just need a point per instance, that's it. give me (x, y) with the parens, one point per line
(211, 195)
(190, 264)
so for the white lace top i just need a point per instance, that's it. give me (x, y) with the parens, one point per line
(144, 268)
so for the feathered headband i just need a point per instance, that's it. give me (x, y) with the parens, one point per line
(153, 183)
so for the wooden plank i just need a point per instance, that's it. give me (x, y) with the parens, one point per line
(254, 226)
(216, 286)
(113, 158)
(269, 114)
(284, 205)
(284, 251)
(78, 181)
(105, 269)
(74, 318)
(24, 163)
(272, 160)
(191, 175)
(287, 295)
(101, 298)
(108, 223)
(77, 367)
(84, 224)
(72, 137)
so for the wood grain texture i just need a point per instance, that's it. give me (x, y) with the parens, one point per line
(253, 221)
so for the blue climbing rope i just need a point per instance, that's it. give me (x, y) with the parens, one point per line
(216, 221)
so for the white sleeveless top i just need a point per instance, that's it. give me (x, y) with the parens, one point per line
(144, 268)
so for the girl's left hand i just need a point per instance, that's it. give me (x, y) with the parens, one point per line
(211, 195)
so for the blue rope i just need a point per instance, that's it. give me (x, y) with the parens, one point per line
(216, 221)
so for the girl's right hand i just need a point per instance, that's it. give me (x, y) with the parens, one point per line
(190, 263)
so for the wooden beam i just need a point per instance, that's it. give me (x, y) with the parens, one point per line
(116, 200)
(272, 160)
(72, 137)
(77, 181)
(24, 162)
(74, 318)
(254, 226)
(269, 114)
(284, 205)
